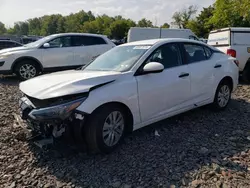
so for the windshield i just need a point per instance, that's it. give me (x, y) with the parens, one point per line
(38, 42)
(120, 59)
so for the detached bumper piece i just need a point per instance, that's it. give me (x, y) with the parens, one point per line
(46, 127)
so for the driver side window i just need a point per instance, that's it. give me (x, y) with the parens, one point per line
(60, 42)
(169, 55)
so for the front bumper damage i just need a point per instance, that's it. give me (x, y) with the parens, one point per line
(49, 123)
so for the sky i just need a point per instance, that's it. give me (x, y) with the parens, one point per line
(158, 11)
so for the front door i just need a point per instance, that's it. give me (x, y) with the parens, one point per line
(165, 92)
(59, 54)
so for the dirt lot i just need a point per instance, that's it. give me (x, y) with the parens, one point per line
(200, 148)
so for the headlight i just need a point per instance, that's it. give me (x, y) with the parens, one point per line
(60, 112)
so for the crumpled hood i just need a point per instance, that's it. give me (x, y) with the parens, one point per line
(65, 83)
(9, 50)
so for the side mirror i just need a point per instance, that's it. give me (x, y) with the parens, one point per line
(46, 45)
(153, 67)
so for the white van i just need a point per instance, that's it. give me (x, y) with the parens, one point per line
(234, 41)
(140, 33)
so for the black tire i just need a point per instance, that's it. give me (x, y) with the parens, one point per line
(216, 105)
(34, 69)
(93, 131)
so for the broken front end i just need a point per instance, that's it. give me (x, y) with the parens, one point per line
(53, 118)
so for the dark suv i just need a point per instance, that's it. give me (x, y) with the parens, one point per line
(8, 44)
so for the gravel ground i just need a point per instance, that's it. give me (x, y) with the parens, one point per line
(196, 149)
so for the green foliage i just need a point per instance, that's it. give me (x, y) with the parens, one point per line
(231, 13)
(201, 25)
(2, 28)
(144, 23)
(181, 18)
(223, 13)
(21, 28)
(35, 25)
(120, 27)
(165, 25)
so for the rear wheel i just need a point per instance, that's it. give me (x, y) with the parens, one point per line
(105, 129)
(222, 96)
(27, 69)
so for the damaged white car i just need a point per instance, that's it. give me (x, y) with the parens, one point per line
(126, 88)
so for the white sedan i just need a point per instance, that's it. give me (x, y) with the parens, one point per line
(127, 88)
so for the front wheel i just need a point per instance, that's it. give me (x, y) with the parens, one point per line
(222, 96)
(26, 70)
(105, 129)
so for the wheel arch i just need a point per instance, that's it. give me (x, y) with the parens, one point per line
(20, 59)
(229, 80)
(126, 109)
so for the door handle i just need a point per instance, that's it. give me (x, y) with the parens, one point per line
(183, 75)
(217, 66)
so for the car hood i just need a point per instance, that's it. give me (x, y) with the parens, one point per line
(9, 50)
(65, 83)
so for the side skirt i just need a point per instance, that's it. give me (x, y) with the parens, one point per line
(171, 114)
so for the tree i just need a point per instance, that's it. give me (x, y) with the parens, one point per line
(61, 25)
(50, 24)
(35, 26)
(181, 18)
(200, 25)
(74, 22)
(228, 13)
(21, 28)
(165, 25)
(2, 28)
(144, 23)
(101, 25)
(119, 28)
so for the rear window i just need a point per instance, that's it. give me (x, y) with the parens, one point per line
(219, 38)
(8, 44)
(240, 38)
(87, 41)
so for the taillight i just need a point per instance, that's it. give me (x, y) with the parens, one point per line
(231, 52)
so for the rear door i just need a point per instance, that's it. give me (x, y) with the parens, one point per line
(203, 71)
(87, 48)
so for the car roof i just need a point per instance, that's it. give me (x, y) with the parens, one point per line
(156, 41)
(231, 29)
(77, 34)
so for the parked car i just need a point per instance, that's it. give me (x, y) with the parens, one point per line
(139, 33)
(8, 44)
(235, 42)
(53, 53)
(29, 39)
(129, 87)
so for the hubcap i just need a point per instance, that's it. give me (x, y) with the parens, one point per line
(27, 71)
(113, 128)
(224, 96)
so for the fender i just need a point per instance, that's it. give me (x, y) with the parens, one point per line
(26, 57)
